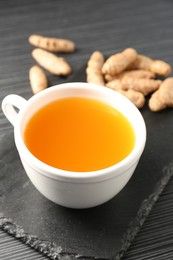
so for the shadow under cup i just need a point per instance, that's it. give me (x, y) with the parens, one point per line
(74, 189)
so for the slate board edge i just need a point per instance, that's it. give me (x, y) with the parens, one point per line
(144, 210)
(52, 251)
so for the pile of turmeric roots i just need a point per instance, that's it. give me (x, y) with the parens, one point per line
(134, 75)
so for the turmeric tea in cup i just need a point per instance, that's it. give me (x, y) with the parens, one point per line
(79, 134)
(78, 142)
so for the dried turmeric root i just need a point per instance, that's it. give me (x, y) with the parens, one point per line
(38, 79)
(93, 70)
(145, 63)
(145, 86)
(136, 97)
(142, 62)
(52, 63)
(52, 44)
(161, 68)
(133, 74)
(163, 97)
(119, 62)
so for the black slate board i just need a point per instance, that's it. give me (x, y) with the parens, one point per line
(93, 232)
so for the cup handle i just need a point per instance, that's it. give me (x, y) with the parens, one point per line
(8, 104)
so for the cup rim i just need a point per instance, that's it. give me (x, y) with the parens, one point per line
(71, 176)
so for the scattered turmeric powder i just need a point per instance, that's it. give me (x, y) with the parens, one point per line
(52, 63)
(163, 97)
(145, 86)
(119, 62)
(38, 79)
(52, 44)
(94, 66)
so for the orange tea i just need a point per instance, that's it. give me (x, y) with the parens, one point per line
(79, 134)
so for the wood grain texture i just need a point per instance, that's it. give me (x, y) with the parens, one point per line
(155, 239)
(12, 248)
(109, 26)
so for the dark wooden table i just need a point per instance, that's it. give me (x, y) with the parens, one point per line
(109, 26)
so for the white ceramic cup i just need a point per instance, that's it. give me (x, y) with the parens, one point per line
(71, 189)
